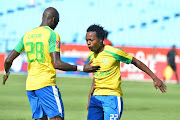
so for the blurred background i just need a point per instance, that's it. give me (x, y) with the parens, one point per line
(145, 28)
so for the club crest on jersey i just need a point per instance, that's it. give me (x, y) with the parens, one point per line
(58, 44)
(104, 61)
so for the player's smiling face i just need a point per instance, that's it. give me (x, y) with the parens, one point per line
(92, 41)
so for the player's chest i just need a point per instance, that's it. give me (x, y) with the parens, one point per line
(105, 61)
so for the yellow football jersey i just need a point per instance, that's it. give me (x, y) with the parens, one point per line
(108, 78)
(38, 43)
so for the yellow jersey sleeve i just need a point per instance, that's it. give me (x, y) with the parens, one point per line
(119, 55)
(58, 43)
(20, 46)
(54, 42)
(123, 56)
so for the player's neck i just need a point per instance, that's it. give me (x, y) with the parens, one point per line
(101, 48)
(44, 24)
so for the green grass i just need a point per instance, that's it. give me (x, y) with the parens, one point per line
(141, 100)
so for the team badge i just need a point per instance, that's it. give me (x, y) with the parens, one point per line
(105, 61)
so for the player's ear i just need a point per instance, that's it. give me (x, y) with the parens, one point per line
(53, 19)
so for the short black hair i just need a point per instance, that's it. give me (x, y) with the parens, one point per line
(100, 33)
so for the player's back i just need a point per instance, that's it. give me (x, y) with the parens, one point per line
(38, 44)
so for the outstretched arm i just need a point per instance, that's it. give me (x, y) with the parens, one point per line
(158, 84)
(58, 64)
(7, 64)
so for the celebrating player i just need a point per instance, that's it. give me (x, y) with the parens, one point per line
(42, 47)
(105, 98)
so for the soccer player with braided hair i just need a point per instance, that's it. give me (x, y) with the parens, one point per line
(105, 98)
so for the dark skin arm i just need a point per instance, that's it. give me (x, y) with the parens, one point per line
(158, 84)
(60, 65)
(8, 62)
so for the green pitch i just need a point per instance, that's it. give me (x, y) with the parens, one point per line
(141, 100)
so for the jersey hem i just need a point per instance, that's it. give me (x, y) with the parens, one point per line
(39, 87)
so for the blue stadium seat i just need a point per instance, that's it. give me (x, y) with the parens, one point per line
(147, 23)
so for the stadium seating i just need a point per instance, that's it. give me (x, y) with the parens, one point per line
(148, 23)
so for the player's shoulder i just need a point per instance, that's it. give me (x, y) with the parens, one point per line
(47, 28)
(40, 28)
(53, 33)
(90, 55)
(109, 47)
(56, 34)
(112, 49)
(28, 33)
(32, 30)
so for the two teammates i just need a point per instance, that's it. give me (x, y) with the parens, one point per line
(43, 58)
